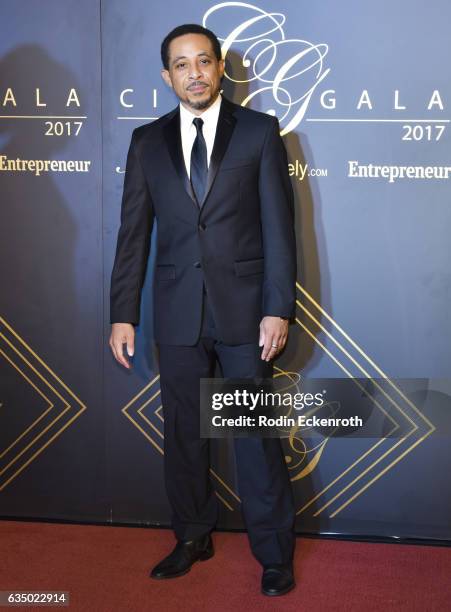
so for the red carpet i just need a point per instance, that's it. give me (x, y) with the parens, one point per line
(106, 568)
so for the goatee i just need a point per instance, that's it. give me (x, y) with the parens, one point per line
(201, 104)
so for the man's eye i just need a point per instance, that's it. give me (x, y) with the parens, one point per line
(206, 61)
(180, 65)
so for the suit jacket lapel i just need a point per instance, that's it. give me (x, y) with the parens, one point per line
(174, 143)
(224, 130)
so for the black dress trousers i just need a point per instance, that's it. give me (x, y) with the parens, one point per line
(262, 476)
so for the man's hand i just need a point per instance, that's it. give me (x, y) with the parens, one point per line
(273, 331)
(122, 333)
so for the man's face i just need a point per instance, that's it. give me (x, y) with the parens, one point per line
(194, 72)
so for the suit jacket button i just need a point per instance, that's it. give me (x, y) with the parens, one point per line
(197, 264)
(202, 226)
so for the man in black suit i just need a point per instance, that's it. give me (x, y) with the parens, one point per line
(215, 177)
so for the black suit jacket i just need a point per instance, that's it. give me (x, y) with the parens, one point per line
(239, 240)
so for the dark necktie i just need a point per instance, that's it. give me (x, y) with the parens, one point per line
(198, 164)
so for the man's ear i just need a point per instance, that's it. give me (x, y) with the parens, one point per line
(166, 77)
(221, 63)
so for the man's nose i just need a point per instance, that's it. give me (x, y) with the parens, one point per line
(195, 72)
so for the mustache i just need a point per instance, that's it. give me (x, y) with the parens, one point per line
(197, 83)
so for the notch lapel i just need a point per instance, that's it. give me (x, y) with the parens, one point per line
(224, 130)
(174, 144)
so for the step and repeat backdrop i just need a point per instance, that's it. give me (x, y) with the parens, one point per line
(363, 96)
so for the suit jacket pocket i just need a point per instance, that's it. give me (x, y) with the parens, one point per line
(236, 163)
(164, 271)
(246, 267)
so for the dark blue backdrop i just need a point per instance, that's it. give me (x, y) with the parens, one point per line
(353, 85)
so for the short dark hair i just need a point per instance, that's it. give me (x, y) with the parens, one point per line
(188, 28)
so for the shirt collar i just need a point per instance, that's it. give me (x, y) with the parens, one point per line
(209, 116)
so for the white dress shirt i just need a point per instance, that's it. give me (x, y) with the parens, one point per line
(188, 130)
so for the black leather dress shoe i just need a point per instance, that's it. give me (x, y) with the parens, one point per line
(185, 553)
(277, 579)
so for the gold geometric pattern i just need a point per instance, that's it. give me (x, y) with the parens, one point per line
(365, 470)
(55, 404)
(144, 410)
(380, 457)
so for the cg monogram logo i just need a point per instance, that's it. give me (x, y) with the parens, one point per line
(286, 71)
